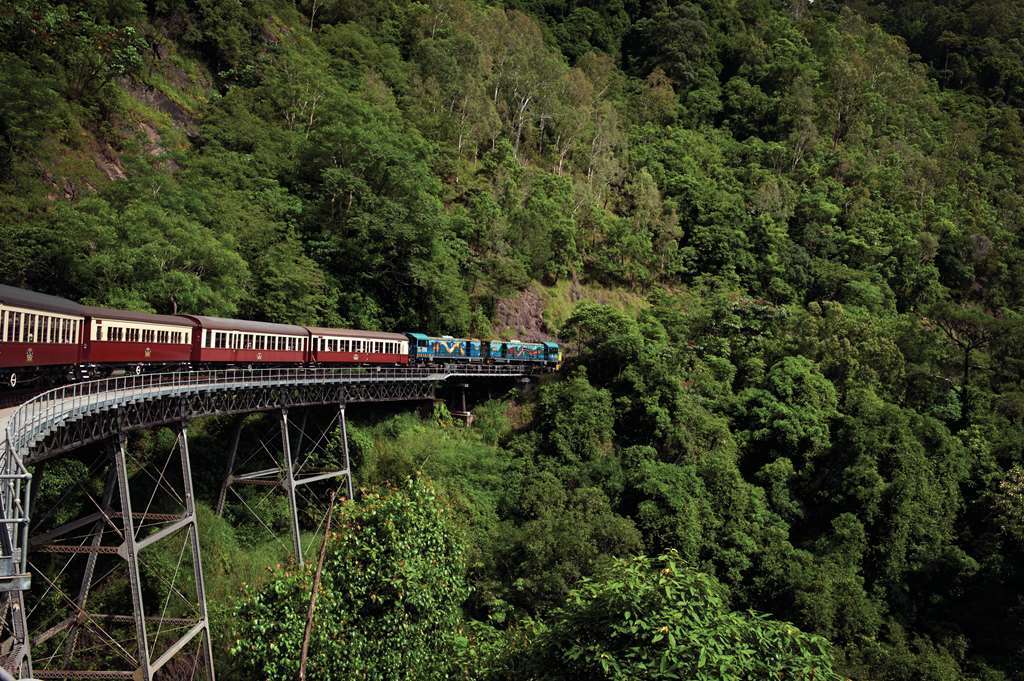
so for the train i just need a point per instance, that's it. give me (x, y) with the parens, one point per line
(48, 339)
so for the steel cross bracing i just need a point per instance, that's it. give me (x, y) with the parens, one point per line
(305, 459)
(139, 643)
(70, 417)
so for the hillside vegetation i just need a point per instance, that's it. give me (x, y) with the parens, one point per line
(801, 395)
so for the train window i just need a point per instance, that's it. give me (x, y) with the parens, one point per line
(44, 329)
(30, 328)
(3, 325)
(14, 327)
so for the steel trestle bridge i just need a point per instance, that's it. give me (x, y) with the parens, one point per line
(103, 412)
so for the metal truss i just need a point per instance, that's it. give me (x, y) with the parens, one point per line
(293, 466)
(65, 419)
(149, 413)
(145, 640)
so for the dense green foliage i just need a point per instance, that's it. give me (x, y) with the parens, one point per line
(393, 581)
(820, 403)
(644, 619)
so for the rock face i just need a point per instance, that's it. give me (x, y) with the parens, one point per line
(522, 317)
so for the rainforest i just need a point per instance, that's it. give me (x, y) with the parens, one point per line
(781, 243)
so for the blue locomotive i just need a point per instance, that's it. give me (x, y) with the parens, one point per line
(424, 349)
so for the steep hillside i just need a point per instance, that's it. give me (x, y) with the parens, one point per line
(804, 374)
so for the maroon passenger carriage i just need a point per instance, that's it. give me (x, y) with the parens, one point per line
(241, 342)
(136, 341)
(350, 346)
(40, 335)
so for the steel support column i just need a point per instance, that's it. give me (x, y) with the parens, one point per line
(344, 448)
(232, 455)
(197, 559)
(131, 554)
(289, 485)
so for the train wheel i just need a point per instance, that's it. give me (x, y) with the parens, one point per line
(13, 380)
